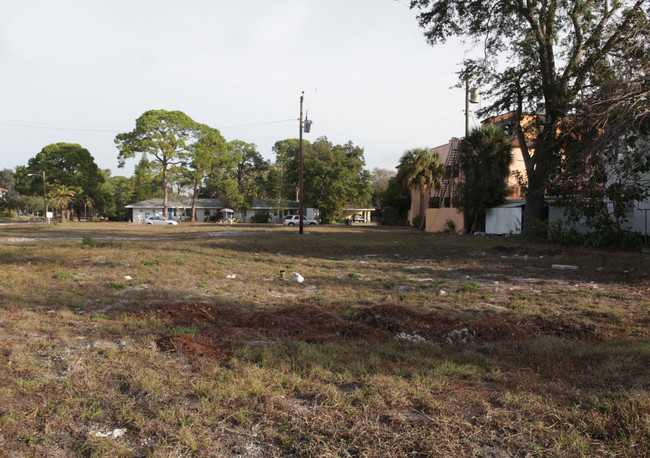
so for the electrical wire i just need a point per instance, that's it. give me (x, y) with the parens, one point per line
(33, 125)
(260, 123)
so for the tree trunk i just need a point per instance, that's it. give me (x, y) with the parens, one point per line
(165, 208)
(194, 193)
(534, 217)
(422, 208)
(534, 214)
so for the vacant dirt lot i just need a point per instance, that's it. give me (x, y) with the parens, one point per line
(197, 340)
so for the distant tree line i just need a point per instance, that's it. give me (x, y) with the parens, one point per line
(178, 157)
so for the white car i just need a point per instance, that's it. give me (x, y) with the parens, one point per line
(159, 220)
(294, 220)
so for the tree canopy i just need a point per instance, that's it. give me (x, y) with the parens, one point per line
(420, 169)
(67, 164)
(544, 58)
(334, 176)
(205, 153)
(165, 135)
(485, 156)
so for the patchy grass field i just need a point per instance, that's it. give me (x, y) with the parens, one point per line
(133, 340)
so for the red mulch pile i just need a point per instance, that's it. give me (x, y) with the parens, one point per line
(220, 327)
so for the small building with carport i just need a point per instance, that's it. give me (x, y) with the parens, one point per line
(353, 213)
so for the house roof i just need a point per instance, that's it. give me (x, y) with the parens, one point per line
(357, 208)
(177, 203)
(256, 204)
(264, 204)
(514, 203)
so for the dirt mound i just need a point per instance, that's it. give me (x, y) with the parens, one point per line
(435, 327)
(195, 345)
(220, 328)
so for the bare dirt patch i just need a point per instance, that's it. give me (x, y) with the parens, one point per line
(218, 329)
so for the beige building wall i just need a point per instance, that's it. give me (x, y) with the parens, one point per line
(437, 219)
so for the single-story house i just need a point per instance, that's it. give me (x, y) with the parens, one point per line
(177, 209)
(210, 209)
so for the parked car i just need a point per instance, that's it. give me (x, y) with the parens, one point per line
(293, 220)
(159, 220)
(358, 218)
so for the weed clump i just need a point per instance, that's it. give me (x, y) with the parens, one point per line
(89, 242)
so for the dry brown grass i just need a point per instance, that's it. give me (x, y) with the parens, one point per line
(187, 361)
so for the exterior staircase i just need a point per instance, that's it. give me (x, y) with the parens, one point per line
(451, 172)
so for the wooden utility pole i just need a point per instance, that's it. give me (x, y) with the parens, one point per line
(300, 189)
(466, 103)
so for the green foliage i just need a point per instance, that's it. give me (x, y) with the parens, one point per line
(395, 203)
(251, 170)
(468, 287)
(420, 169)
(209, 160)
(62, 196)
(63, 276)
(116, 284)
(450, 226)
(182, 330)
(606, 237)
(566, 57)
(334, 176)
(165, 135)
(419, 220)
(68, 165)
(261, 218)
(485, 156)
(379, 179)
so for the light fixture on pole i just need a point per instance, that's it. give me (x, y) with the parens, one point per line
(471, 96)
(42, 175)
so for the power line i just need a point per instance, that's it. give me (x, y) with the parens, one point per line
(33, 125)
(260, 123)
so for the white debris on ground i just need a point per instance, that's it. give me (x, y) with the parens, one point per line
(563, 267)
(459, 335)
(297, 277)
(118, 432)
(231, 276)
(414, 337)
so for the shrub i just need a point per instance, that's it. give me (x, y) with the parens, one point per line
(261, 218)
(450, 226)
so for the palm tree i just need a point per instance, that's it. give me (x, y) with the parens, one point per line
(485, 156)
(420, 168)
(62, 196)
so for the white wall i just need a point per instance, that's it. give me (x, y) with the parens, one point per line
(503, 220)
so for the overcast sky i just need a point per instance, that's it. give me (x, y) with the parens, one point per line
(83, 71)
